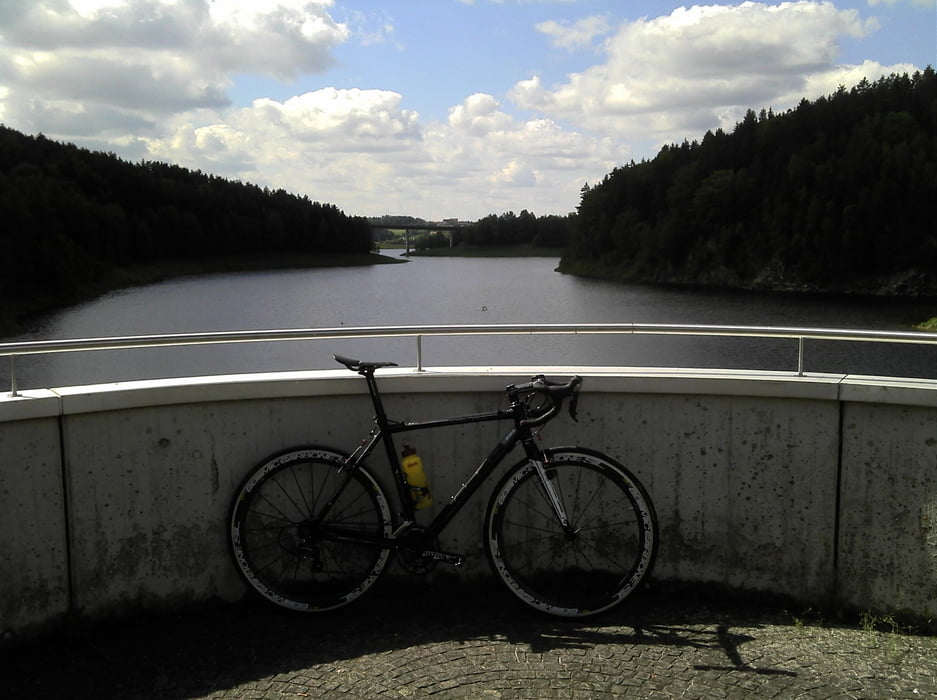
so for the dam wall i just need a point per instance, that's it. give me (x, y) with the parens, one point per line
(114, 498)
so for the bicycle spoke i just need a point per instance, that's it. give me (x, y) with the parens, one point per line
(363, 510)
(614, 507)
(289, 497)
(278, 522)
(588, 568)
(547, 515)
(307, 510)
(291, 559)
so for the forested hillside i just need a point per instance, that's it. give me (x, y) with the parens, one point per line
(510, 229)
(69, 217)
(839, 194)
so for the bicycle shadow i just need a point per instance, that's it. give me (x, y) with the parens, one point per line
(214, 649)
(649, 619)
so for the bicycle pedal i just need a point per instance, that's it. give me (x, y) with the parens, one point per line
(444, 557)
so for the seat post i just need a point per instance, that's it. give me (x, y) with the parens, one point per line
(380, 415)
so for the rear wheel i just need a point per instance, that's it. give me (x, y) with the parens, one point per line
(290, 555)
(604, 556)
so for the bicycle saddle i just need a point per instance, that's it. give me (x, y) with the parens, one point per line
(359, 366)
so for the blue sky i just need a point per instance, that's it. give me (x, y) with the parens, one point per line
(432, 108)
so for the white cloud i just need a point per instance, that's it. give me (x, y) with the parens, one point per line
(153, 76)
(829, 81)
(917, 3)
(478, 115)
(354, 119)
(283, 38)
(576, 35)
(698, 68)
(152, 79)
(279, 141)
(515, 174)
(149, 58)
(363, 151)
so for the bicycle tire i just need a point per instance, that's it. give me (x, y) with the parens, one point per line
(615, 539)
(283, 555)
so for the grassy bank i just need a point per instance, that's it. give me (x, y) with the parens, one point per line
(15, 314)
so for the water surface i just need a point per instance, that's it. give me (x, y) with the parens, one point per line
(429, 291)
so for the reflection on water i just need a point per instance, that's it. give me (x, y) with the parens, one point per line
(428, 291)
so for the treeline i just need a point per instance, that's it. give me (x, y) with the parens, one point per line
(837, 194)
(494, 230)
(69, 215)
(517, 229)
(395, 221)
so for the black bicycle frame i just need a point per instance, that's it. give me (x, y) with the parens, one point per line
(384, 430)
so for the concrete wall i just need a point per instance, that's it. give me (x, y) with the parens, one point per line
(115, 498)
(888, 526)
(33, 564)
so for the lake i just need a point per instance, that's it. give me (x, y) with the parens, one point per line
(440, 290)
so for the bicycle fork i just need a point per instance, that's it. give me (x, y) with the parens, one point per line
(546, 476)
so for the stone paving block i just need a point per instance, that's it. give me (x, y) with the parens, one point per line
(487, 647)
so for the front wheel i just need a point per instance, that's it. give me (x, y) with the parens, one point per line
(305, 533)
(595, 563)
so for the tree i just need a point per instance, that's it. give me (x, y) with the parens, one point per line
(836, 193)
(71, 215)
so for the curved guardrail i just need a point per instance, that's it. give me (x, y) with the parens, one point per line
(801, 335)
(99, 473)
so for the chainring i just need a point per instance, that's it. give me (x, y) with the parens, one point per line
(415, 541)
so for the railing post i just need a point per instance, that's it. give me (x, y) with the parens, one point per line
(13, 391)
(419, 353)
(800, 356)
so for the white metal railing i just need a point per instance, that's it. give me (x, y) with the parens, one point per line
(45, 347)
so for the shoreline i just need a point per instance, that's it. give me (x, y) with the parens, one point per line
(16, 315)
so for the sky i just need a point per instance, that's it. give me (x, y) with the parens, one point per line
(430, 108)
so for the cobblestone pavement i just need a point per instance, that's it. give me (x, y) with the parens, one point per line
(476, 642)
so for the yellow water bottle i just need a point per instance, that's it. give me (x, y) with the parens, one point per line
(416, 478)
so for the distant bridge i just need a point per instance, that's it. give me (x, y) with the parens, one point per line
(447, 225)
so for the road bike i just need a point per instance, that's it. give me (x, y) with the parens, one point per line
(569, 530)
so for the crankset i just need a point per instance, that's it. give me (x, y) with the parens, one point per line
(419, 552)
